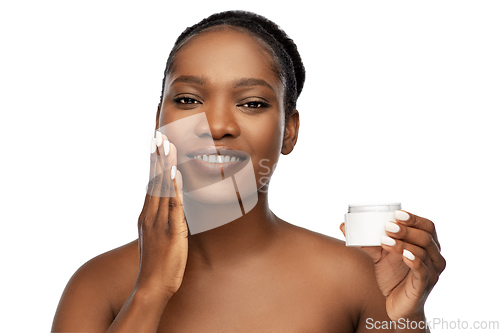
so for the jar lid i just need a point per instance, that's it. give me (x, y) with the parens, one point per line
(360, 208)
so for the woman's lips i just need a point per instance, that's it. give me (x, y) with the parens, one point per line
(216, 165)
(216, 158)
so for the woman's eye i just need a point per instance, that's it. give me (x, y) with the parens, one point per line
(186, 100)
(255, 104)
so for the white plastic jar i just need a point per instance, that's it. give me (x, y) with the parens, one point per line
(365, 223)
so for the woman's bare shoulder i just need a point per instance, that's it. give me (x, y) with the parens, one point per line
(330, 256)
(338, 276)
(107, 274)
(98, 288)
(322, 245)
(112, 262)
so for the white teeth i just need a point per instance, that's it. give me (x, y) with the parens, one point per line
(217, 158)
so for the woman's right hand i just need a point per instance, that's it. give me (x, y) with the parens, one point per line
(163, 232)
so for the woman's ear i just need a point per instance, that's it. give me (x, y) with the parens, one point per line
(291, 133)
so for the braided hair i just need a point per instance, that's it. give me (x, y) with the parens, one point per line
(288, 64)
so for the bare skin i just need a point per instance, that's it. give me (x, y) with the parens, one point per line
(257, 273)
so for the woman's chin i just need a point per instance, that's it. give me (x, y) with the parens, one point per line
(220, 194)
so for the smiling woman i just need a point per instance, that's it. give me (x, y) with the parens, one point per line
(228, 104)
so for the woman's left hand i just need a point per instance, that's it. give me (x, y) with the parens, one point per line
(408, 265)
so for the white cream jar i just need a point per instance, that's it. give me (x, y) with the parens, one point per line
(365, 223)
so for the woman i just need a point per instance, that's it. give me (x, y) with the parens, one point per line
(227, 106)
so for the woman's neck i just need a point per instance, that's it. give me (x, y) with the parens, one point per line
(235, 241)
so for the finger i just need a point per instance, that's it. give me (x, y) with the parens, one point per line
(156, 167)
(153, 159)
(415, 258)
(401, 247)
(398, 246)
(419, 280)
(420, 238)
(156, 183)
(342, 228)
(167, 185)
(165, 160)
(177, 181)
(433, 272)
(163, 150)
(154, 186)
(177, 219)
(418, 222)
(170, 161)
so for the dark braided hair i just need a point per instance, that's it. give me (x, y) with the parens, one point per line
(288, 64)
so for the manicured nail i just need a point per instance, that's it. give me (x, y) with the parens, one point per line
(166, 147)
(402, 216)
(391, 227)
(153, 145)
(159, 138)
(408, 254)
(173, 172)
(387, 241)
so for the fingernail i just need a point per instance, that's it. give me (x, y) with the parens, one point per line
(402, 216)
(408, 254)
(173, 172)
(166, 147)
(387, 241)
(391, 227)
(159, 138)
(153, 145)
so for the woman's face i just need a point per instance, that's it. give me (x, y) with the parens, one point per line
(226, 76)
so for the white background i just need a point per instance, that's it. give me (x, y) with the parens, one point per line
(400, 103)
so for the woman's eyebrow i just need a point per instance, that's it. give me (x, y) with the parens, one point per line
(190, 79)
(244, 82)
(250, 82)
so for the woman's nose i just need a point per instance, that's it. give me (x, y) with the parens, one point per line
(221, 121)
